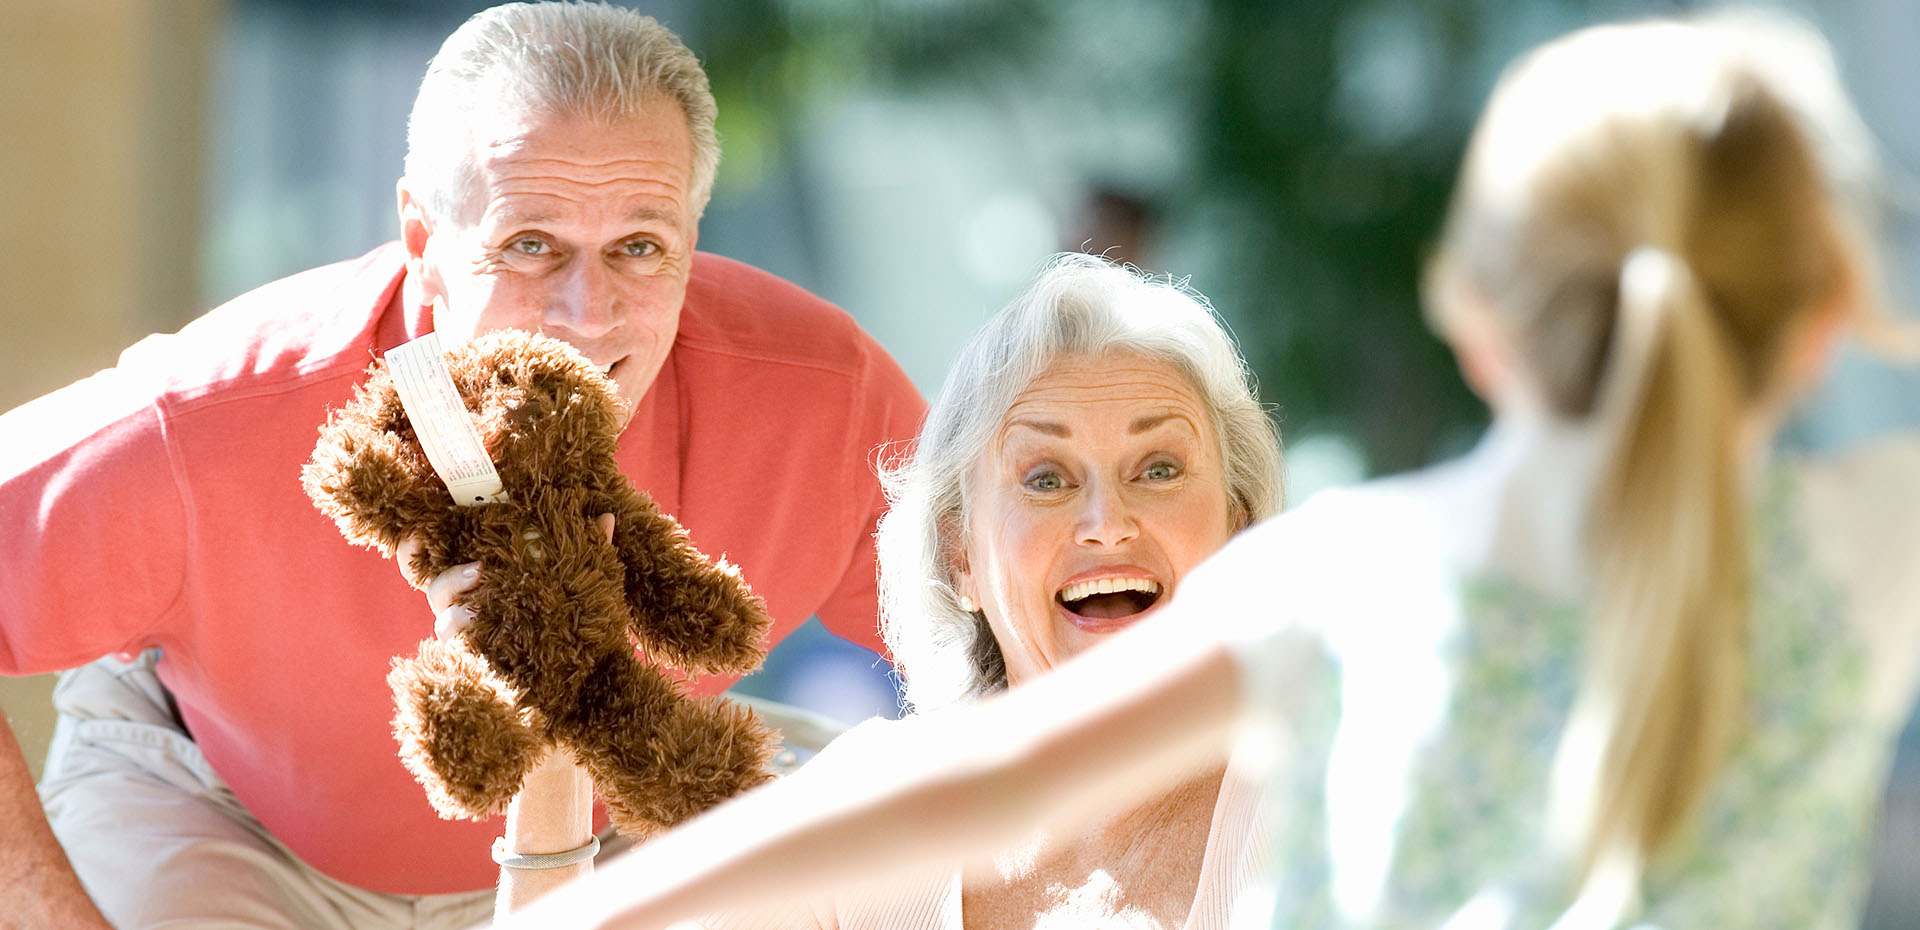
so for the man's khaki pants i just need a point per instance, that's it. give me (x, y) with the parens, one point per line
(160, 841)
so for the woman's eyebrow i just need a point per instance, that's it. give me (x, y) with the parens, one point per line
(1151, 420)
(1049, 427)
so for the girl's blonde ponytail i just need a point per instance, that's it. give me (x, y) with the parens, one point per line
(1663, 690)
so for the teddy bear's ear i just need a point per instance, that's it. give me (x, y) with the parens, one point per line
(368, 472)
(549, 415)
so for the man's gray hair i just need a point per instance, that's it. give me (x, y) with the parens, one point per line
(588, 60)
(1080, 306)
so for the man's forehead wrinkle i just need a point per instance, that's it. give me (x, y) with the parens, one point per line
(511, 155)
(562, 173)
(533, 148)
(545, 210)
(523, 198)
(527, 198)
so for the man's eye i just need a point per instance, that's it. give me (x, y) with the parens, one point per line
(528, 246)
(1161, 471)
(640, 248)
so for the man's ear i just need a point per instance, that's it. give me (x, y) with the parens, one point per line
(415, 225)
(416, 228)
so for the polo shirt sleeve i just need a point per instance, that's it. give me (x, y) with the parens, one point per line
(886, 417)
(91, 554)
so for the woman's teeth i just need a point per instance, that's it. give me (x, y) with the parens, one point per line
(1086, 589)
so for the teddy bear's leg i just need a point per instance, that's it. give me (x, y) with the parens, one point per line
(692, 614)
(459, 736)
(658, 757)
(708, 750)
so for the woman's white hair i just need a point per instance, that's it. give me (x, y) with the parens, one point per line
(1080, 306)
(569, 59)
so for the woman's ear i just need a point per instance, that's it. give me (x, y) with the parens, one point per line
(965, 589)
(953, 549)
(1237, 517)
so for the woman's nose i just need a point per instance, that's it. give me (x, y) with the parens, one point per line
(583, 301)
(1105, 517)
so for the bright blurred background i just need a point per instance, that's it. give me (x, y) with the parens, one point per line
(913, 161)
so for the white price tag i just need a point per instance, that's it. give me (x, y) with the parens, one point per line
(440, 419)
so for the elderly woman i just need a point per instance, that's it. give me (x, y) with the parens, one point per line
(1095, 441)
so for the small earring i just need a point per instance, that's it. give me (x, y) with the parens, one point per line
(967, 604)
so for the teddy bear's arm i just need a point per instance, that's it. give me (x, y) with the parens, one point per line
(369, 474)
(694, 614)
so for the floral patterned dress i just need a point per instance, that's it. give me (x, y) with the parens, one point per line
(1414, 792)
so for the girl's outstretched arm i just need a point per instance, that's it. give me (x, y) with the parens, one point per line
(1125, 720)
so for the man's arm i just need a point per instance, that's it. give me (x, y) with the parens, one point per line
(36, 880)
(80, 465)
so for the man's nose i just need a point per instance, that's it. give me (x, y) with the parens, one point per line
(1106, 519)
(585, 301)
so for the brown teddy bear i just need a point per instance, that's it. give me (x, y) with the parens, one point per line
(549, 657)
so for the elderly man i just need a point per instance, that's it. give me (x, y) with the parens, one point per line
(559, 157)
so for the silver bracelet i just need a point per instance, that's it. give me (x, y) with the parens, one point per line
(579, 853)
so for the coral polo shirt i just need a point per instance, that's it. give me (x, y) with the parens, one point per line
(158, 503)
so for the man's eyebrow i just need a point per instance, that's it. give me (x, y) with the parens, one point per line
(514, 215)
(651, 214)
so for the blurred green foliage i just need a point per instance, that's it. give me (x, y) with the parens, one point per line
(1298, 203)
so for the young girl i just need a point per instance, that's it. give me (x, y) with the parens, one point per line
(1613, 667)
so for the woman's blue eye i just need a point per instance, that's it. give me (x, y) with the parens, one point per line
(1046, 481)
(1161, 471)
